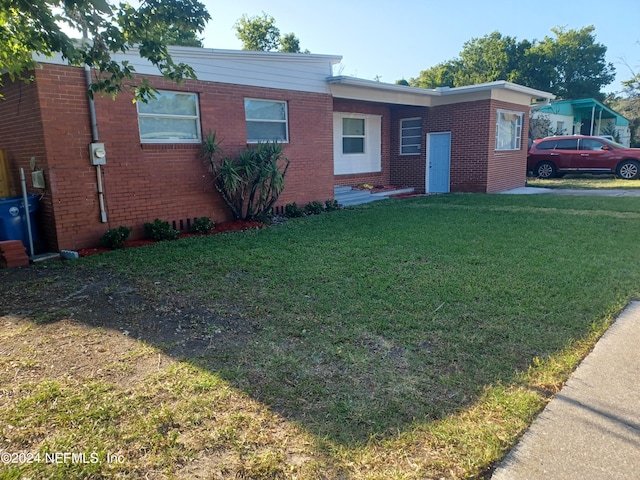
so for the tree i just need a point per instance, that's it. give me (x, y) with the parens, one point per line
(571, 65)
(580, 69)
(35, 27)
(290, 43)
(258, 32)
(441, 75)
(261, 34)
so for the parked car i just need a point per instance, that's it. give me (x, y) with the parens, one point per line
(554, 156)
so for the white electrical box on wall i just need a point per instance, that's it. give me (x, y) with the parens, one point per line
(37, 178)
(98, 154)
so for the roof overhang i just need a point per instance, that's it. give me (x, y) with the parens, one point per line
(368, 90)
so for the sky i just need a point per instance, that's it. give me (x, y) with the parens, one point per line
(394, 40)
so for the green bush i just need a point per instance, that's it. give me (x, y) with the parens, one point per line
(331, 204)
(115, 237)
(291, 210)
(202, 225)
(159, 230)
(313, 208)
(251, 182)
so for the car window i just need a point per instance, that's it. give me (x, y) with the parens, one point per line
(546, 145)
(567, 144)
(590, 144)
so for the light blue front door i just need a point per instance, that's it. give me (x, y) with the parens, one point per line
(438, 162)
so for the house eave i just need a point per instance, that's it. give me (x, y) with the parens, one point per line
(368, 90)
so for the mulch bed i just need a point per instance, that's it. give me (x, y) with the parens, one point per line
(232, 226)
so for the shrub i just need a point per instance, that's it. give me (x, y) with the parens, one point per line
(202, 225)
(115, 237)
(313, 208)
(291, 210)
(331, 204)
(159, 230)
(251, 182)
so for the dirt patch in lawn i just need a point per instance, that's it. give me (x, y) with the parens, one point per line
(78, 342)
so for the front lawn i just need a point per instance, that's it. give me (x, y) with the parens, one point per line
(405, 339)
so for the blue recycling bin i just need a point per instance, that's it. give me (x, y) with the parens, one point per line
(13, 221)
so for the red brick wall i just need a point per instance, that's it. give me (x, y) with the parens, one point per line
(507, 169)
(170, 182)
(408, 170)
(475, 165)
(471, 140)
(373, 178)
(22, 136)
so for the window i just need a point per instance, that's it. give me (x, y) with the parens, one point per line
(410, 136)
(558, 144)
(567, 144)
(171, 117)
(508, 130)
(352, 135)
(266, 120)
(357, 143)
(590, 144)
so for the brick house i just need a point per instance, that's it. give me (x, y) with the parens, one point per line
(138, 162)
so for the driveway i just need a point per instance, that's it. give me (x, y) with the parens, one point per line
(593, 192)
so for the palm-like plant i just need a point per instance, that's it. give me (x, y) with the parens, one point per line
(251, 182)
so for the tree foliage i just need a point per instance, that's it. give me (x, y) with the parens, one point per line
(260, 33)
(570, 65)
(36, 27)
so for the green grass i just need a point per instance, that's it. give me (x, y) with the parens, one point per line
(584, 181)
(414, 338)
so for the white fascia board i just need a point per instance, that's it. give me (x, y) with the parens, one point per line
(499, 84)
(378, 91)
(354, 88)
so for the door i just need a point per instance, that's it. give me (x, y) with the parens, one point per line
(438, 162)
(592, 157)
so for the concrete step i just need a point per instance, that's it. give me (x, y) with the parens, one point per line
(399, 191)
(348, 197)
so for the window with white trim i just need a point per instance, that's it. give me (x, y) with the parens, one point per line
(509, 130)
(357, 143)
(353, 135)
(171, 117)
(410, 136)
(266, 120)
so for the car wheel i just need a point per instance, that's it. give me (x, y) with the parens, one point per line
(628, 170)
(545, 170)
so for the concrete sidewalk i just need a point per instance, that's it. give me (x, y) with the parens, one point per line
(591, 429)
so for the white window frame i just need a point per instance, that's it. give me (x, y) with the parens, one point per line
(509, 131)
(195, 118)
(370, 161)
(266, 120)
(363, 136)
(418, 137)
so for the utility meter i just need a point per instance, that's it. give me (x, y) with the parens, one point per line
(98, 154)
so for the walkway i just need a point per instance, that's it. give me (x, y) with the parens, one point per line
(591, 429)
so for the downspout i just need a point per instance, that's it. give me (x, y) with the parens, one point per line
(95, 137)
(593, 114)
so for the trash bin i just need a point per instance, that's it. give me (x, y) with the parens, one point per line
(13, 221)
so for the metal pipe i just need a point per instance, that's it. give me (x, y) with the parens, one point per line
(92, 106)
(95, 137)
(25, 199)
(103, 212)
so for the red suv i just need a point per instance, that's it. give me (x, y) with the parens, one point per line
(553, 156)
